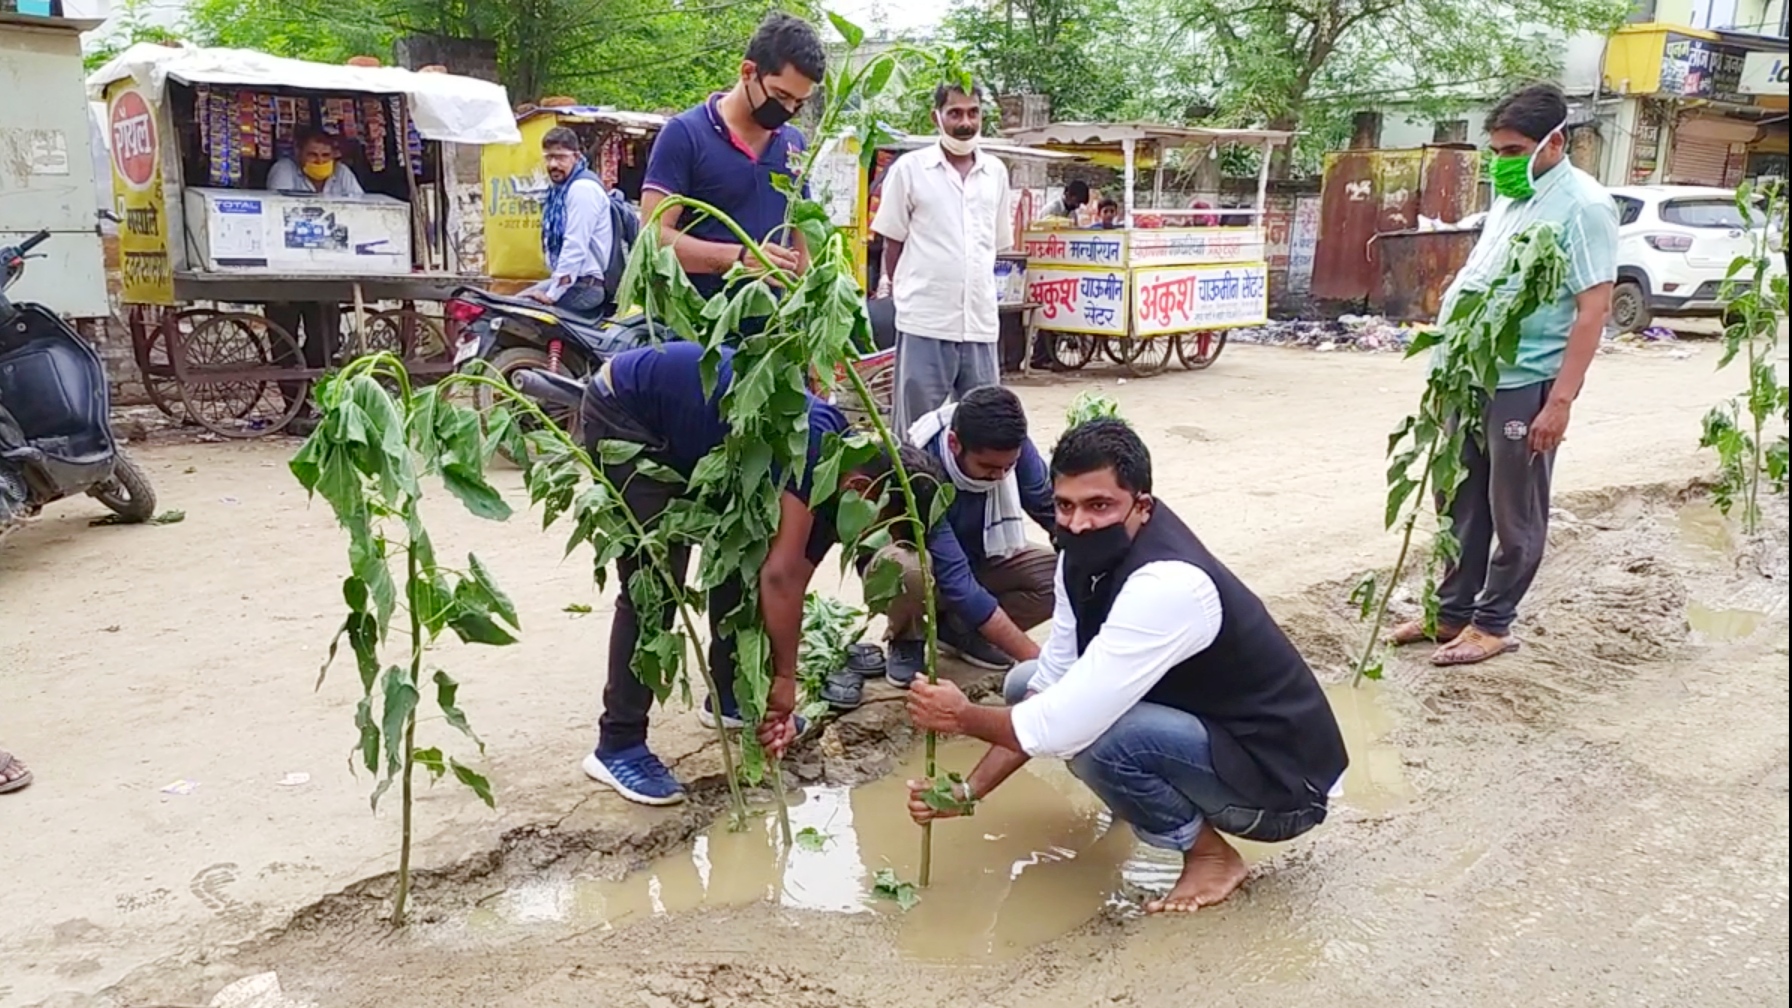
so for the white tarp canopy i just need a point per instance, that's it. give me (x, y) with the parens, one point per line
(445, 107)
(1085, 134)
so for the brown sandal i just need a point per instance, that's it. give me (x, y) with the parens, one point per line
(13, 774)
(1413, 632)
(1474, 646)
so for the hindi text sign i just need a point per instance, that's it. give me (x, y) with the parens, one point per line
(1075, 248)
(1195, 246)
(1192, 298)
(145, 269)
(1078, 300)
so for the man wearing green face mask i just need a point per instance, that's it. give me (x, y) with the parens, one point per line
(1501, 510)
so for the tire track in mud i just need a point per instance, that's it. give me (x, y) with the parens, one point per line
(1608, 613)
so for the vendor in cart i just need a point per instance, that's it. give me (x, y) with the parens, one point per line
(315, 168)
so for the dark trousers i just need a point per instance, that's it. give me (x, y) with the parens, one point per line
(315, 326)
(585, 297)
(627, 700)
(1504, 500)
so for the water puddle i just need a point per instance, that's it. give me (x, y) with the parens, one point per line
(1038, 859)
(1705, 531)
(1723, 624)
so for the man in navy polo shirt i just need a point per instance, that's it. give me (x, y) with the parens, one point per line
(725, 152)
(654, 397)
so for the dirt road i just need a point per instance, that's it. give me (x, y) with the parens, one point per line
(1599, 820)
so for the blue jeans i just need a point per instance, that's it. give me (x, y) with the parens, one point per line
(1154, 770)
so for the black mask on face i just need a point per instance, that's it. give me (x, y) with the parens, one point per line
(770, 113)
(1097, 550)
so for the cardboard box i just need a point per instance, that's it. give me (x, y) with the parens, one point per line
(235, 231)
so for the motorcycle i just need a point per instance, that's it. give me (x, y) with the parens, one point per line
(55, 435)
(512, 335)
(559, 394)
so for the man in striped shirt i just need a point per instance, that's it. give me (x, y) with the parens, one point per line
(1505, 498)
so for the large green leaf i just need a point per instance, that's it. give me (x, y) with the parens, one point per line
(399, 703)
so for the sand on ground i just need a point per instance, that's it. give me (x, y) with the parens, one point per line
(1599, 820)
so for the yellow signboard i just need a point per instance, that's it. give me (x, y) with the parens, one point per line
(514, 184)
(143, 237)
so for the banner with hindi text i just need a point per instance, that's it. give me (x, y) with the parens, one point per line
(1078, 300)
(1192, 298)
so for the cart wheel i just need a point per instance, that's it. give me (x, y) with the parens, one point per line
(409, 333)
(881, 381)
(1198, 350)
(1074, 351)
(1147, 355)
(1117, 349)
(154, 367)
(228, 372)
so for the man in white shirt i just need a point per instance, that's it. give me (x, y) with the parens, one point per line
(577, 235)
(315, 168)
(1165, 682)
(943, 218)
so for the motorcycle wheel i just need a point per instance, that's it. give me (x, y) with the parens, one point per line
(509, 361)
(129, 494)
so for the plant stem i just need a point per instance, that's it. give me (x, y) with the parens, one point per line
(736, 799)
(1751, 516)
(919, 525)
(413, 575)
(1387, 594)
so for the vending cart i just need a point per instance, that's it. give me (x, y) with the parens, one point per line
(205, 245)
(1164, 280)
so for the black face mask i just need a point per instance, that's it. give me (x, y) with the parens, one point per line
(771, 113)
(1097, 550)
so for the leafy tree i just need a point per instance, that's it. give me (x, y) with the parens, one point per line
(637, 54)
(1059, 48)
(1306, 64)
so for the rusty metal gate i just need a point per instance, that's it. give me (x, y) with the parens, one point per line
(1372, 192)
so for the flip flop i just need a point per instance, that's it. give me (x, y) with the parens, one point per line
(8, 767)
(1483, 647)
(844, 690)
(865, 658)
(1413, 632)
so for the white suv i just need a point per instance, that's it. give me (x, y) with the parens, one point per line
(1675, 245)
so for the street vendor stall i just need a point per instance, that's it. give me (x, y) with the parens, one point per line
(856, 187)
(194, 135)
(617, 144)
(1166, 280)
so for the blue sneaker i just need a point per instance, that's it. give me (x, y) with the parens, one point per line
(635, 774)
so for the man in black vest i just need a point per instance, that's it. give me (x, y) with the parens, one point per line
(1165, 683)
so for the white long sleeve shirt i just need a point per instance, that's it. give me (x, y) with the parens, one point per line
(585, 250)
(1166, 613)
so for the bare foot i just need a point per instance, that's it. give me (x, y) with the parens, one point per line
(1212, 871)
(1473, 646)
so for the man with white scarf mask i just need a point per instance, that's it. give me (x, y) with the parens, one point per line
(994, 584)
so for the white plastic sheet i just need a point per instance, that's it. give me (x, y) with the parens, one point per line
(445, 107)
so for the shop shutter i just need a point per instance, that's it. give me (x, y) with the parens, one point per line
(1697, 161)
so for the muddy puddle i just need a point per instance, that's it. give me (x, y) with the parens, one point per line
(1039, 859)
(1703, 533)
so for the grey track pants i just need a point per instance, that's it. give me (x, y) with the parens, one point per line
(1501, 514)
(932, 372)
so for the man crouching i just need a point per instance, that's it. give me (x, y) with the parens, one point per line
(1165, 682)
